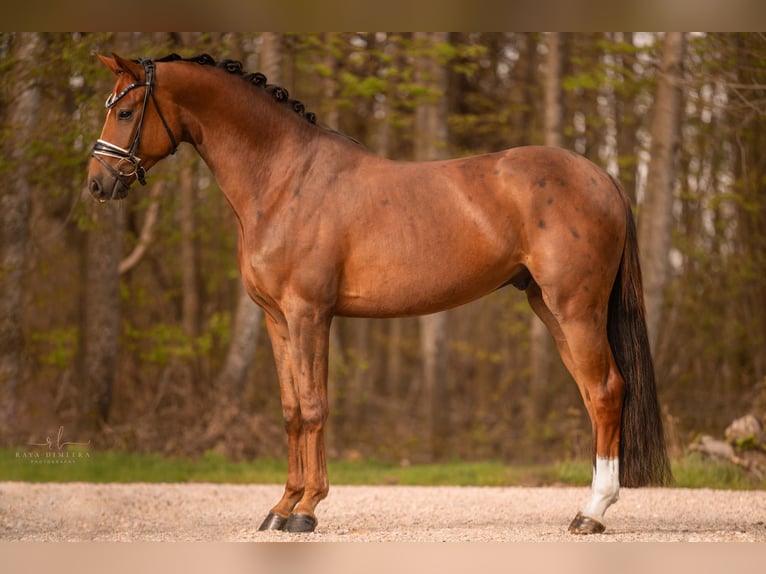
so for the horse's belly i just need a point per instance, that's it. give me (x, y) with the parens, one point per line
(423, 286)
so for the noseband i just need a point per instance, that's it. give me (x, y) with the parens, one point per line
(130, 163)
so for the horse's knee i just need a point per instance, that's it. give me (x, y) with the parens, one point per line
(309, 416)
(313, 414)
(292, 419)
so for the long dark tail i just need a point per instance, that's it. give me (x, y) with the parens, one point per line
(643, 454)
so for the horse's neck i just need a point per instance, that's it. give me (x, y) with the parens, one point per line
(238, 133)
(255, 149)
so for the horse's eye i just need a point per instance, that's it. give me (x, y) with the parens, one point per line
(124, 114)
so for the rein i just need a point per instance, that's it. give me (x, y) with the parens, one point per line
(128, 156)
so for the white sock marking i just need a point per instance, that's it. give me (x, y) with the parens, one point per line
(605, 489)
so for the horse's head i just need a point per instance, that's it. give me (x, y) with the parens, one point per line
(136, 134)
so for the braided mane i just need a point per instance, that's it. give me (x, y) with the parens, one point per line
(234, 67)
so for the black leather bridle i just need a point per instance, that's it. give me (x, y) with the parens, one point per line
(130, 163)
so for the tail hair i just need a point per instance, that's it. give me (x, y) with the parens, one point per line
(643, 452)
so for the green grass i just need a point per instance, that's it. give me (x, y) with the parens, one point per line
(691, 472)
(694, 471)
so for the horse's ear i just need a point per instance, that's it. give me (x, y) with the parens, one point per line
(109, 63)
(120, 65)
(129, 67)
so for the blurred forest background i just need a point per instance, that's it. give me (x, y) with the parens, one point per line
(126, 322)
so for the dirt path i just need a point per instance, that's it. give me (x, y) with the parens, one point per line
(212, 512)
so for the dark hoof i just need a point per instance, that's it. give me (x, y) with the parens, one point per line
(273, 522)
(585, 525)
(300, 523)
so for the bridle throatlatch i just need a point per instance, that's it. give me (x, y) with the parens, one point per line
(130, 163)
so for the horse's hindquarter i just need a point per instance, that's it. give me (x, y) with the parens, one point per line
(425, 237)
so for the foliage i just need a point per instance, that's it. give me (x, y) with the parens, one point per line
(709, 356)
(697, 472)
(55, 348)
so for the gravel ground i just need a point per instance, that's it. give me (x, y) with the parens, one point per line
(220, 513)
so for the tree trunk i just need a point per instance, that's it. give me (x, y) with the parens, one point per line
(190, 296)
(146, 235)
(520, 96)
(338, 376)
(655, 215)
(231, 381)
(430, 144)
(626, 122)
(553, 113)
(100, 302)
(381, 145)
(332, 116)
(188, 248)
(247, 319)
(244, 341)
(271, 56)
(540, 343)
(101, 309)
(14, 221)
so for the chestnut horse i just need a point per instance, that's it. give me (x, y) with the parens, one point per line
(328, 228)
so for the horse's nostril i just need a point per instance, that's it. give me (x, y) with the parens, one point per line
(95, 187)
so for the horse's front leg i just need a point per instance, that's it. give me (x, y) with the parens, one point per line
(295, 485)
(301, 353)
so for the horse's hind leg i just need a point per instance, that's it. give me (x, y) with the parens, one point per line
(603, 390)
(579, 329)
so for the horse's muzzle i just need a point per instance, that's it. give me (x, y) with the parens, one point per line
(106, 188)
